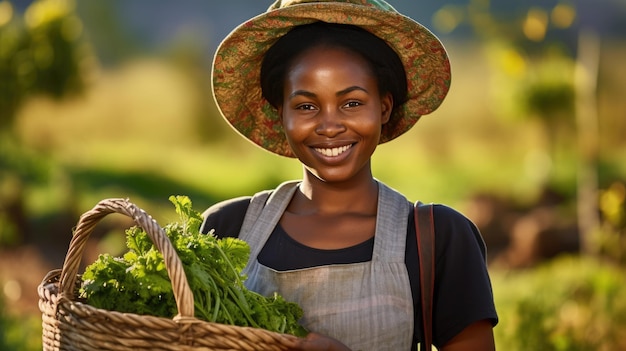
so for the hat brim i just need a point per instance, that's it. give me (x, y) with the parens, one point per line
(237, 67)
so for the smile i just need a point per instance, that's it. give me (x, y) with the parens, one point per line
(335, 151)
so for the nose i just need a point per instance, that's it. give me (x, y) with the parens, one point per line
(330, 123)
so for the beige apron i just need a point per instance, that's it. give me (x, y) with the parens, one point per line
(368, 305)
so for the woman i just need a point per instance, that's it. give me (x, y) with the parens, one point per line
(326, 82)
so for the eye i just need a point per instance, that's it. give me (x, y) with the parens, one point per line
(307, 107)
(353, 103)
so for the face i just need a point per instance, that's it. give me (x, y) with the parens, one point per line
(333, 113)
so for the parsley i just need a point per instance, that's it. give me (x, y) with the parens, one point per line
(138, 282)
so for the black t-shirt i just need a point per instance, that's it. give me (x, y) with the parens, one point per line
(462, 292)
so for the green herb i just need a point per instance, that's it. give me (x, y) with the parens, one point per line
(138, 281)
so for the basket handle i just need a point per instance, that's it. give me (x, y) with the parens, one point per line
(86, 224)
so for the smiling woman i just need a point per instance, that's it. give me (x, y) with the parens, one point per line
(326, 82)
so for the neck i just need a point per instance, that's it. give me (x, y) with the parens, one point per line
(358, 195)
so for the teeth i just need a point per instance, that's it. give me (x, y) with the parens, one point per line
(335, 151)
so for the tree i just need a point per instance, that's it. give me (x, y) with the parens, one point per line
(41, 52)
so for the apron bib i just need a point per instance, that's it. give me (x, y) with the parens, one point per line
(367, 305)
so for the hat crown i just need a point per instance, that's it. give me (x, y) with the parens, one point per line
(378, 4)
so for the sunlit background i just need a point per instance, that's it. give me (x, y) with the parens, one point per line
(111, 98)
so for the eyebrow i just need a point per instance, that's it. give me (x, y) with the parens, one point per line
(339, 93)
(350, 89)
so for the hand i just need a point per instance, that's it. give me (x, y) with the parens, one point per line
(318, 342)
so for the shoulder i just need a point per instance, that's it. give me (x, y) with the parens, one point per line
(227, 207)
(454, 229)
(225, 217)
(448, 216)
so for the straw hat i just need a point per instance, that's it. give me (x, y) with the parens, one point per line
(237, 64)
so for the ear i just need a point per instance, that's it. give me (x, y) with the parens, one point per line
(386, 106)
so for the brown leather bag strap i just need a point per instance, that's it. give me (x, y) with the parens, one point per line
(425, 232)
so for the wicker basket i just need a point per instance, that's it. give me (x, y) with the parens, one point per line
(72, 325)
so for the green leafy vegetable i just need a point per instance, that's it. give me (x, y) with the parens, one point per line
(138, 281)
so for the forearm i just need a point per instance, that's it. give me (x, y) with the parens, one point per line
(476, 337)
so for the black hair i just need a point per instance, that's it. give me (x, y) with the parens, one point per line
(383, 60)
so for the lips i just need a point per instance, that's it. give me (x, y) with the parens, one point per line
(334, 151)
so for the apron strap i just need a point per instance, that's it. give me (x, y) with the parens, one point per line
(264, 212)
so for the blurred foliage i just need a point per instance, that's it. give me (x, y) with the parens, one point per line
(551, 99)
(4, 325)
(570, 303)
(19, 169)
(41, 52)
(611, 236)
(18, 333)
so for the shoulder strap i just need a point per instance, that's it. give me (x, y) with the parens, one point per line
(425, 232)
(257, 202)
